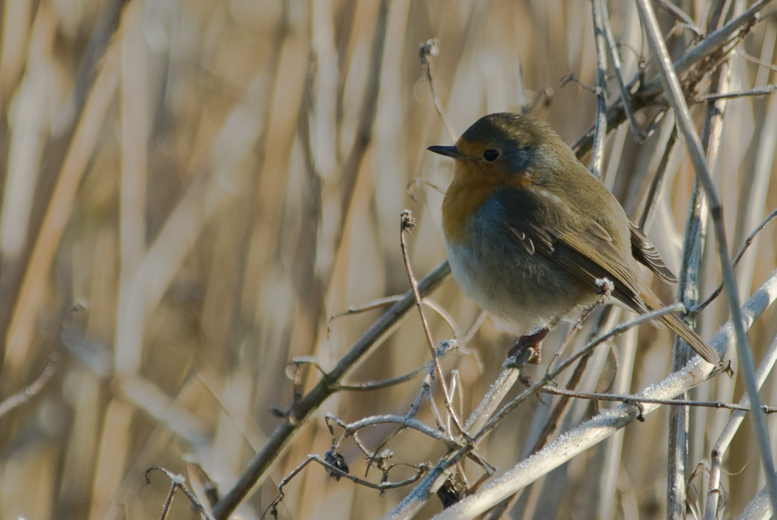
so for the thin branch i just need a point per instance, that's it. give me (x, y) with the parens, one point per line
(423, 490)
(24, 395)
(732, 426)
(586, 435)
(693, 245)
(34, 388)
(334, 470)
(600, 125)
(676, 99)
(612, 47)
(680, 15)
(536, 387)
(707, 47)
(760, 91)
(748, 241)
(177, 482)
(756, 60)
(388, 300)
(631, 399)
(407, 224)
(658, 181)
(444, 348)
(402, 420)
(304, 409)
(427, 51)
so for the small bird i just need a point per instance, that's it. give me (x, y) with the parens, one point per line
(530, 233)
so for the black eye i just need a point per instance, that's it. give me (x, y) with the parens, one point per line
(490, 155)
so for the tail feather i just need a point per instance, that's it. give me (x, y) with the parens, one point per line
(682, 329)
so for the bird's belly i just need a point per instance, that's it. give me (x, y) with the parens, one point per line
(525, 290)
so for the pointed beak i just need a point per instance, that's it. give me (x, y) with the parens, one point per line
(448, 151)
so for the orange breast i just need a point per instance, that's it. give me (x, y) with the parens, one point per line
(468, 192)
(461, 202)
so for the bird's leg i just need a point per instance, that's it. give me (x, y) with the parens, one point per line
(532, 343)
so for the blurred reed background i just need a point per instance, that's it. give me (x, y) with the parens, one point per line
(213, 180)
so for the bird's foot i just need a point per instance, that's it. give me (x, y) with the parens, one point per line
(530, 345)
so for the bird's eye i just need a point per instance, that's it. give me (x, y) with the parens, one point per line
(490, 155)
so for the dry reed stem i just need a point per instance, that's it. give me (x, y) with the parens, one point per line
(243, 185)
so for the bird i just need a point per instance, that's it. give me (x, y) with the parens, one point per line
(531, 235)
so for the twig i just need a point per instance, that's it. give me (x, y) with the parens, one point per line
(553, 418)
(424, 393)
(536, 387)
(492, 399)
(748, 241)
(177, 482)
(568, 339)
(588, 434)
(732, 426)
(693, 246)
(304, 409)
(504, 383)
(444, 348)
(34, 388)
(407, 224)
(708, 46)
(600, 125)
(427, 51)
(753, 59)
(616, 65)
(388, 300)
(24, 395)
(658, 181)
(679, 14)
(629, 399)
(402, 420)
(696, 230)
(760, 91)
(422, 491)
(334, 470)
(674, 93)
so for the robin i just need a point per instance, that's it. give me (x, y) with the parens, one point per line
(531, 235)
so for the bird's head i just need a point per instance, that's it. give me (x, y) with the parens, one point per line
(504, 148)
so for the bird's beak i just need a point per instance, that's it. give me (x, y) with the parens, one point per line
(448, 151)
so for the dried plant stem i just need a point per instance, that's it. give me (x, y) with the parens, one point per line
(612, 47)
(597, 429)
(760, 91)
(600, 125)
(423, 490)
(406, 225)
(388, 300)
(700, 307)
(428, 50)
(304, 409)
(693, 245)
(631, 399)
(727, 435)
(441, 352)
(683, 116)
(178, 482)
(86, 134)
(35, 387)
(655, 186)
(707, 47)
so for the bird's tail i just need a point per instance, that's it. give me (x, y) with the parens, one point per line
(680, 328)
